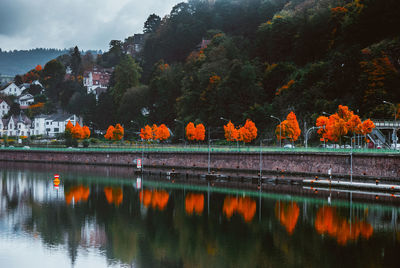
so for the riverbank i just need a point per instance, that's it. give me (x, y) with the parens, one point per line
(364, 165)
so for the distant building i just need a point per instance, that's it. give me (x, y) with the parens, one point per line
(55, 124)
(11, 89)
(17, 125)
(4, 108)
(134, 44)
(25, 100)
(96, 80)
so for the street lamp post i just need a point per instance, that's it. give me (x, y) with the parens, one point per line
(183, 130)
(280, 129)
(312, 128)
(209, 154)
(394, 138)
(261, 165)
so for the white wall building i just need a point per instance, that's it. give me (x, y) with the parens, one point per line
(25, 100)
(4, 108)
(55, 124)
(11, 89)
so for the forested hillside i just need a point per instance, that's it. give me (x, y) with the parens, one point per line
(21, 61)
(260, 58)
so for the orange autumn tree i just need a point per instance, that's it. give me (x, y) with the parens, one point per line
(190, 131)
(69, 126)
(343, 122)
(200, 132)
(86, 132)
(146, 133)
(248, 132)
(231, 133)
(118, 132)
(77, 132)
(114, 133)
(289, 129)
(109, 133)
(162, 133)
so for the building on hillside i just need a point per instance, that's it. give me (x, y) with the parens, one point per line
(25, 100)
(17, 125)
(4, 108)
(55, 123)
(11, 89)
(97, 78)
(134, 44)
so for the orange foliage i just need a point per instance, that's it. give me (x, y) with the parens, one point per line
(248, 132)
(113, 195)
(287, 214)
(157, 199)
(77, 132)
(341, 123)
(244, 206)
(289, 128)
(231, 133)
(146, 133)
(118, 132)
(38, 67)
(194, 203)
(161, 133)
(328, 221)
(69, 126)
(78, 193)
(109, 134)
(37, 105)
(86, 132)
(200, 132)
(190, 131)
(215, 79)
(284, 87)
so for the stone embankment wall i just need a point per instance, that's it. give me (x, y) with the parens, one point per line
(364, 165)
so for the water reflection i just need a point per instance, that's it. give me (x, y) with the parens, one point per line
(328, 221)
(194, 203)
(287, 213)
(77, 194)
(161, 226)
(244, 206)
(114, 195)
(157, 199)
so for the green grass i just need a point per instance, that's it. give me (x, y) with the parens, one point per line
(201, 148)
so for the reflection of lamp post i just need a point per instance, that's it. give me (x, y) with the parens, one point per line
(280, 129)
(394, 137)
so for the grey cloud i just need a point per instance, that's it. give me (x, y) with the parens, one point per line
(90, 24)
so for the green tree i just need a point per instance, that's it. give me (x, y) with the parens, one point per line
(127, 75)
(152, 23)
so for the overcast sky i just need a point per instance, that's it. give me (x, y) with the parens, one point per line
(89, 24)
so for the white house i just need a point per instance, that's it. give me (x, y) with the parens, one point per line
(4, 108)
(55, 124)
(11, 89)
(18, 125)
(25, 100)
(39, 125)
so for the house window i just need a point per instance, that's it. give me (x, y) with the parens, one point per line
(47, 122)
(56, 129)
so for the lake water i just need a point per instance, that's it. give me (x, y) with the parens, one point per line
(109, 217)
